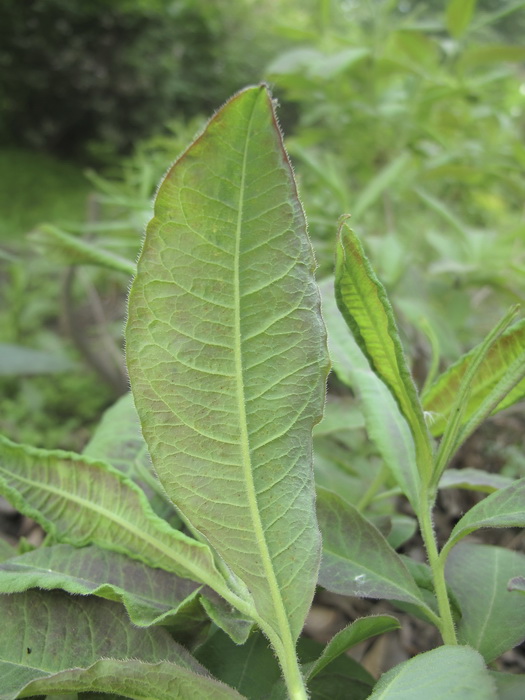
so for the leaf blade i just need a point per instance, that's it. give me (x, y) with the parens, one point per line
(357, 559)
(73, 632)
(507, 349)
(81, 501)
(452, 672)
(364, 304)
(492, 620)
(217, 339)
(503, 508)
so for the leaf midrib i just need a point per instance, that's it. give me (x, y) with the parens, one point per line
(281, 616)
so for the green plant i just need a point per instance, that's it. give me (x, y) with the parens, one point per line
(409, 116)
(226, 351)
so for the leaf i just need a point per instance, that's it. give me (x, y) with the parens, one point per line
(356, 632)
(339, 414)
(150, 596)
(357, 559)
(7, 550)
(493, 620)
(451, 672)
(72, 250)
(506, 358)
(385, 424)
(510, 686)
(343, 677)
(163, 680)
(459, 14)
(80, 501)
(504, 508)
(251, 668)
(65, 632)
(226, 356)
(473, 479)
(118, 440)
(403, 528)
(364, 304)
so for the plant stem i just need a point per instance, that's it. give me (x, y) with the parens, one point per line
(446, 627)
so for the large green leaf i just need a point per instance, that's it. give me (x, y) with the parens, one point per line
(151, 596)
(451, 672)
(364, 303)
(227, 359)
(357, 559)
(385, 424)
(64, 638)
(81, 501)
(503, 508)
(492, 620)
(503, 363)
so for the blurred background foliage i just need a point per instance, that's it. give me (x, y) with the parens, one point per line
(409, 115)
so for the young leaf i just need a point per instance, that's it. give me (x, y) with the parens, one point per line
(500, 371)
(150, 596)
(357, 560)
(473, 479)
(227, 359)
(504, 508)
(364, 304)
(459, 15)
(73, 632)
(80, 501)
(451, 672)
(356, 632)
(385, 424)
(493, 620)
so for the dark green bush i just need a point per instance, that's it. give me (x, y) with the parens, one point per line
(75, 73)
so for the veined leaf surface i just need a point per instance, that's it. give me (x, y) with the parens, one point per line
(501, 370)
(386, 425)
(83, 643)
(151, 596)
(80, 501)
(227, 359)
(364, 303)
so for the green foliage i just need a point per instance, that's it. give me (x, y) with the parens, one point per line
(122, 68)
(408, 116)
(226, 351)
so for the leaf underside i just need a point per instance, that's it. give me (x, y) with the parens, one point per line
(508, 351)
(226, 354)
(81, 643)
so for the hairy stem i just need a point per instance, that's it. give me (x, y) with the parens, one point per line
(446, 627)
